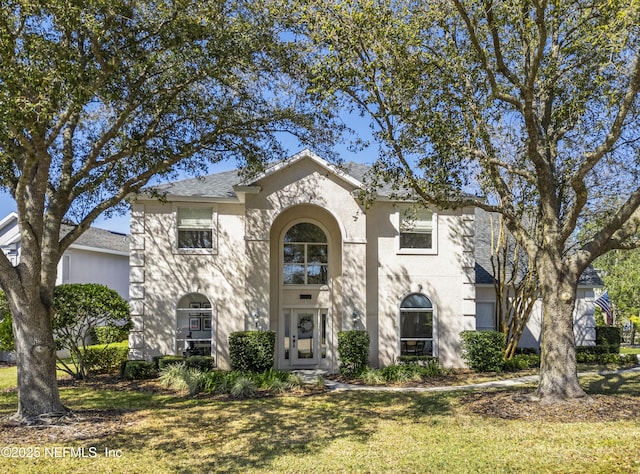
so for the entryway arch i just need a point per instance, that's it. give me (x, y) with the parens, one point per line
(306, 269)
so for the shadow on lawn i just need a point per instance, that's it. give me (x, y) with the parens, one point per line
(250, 434)
(615, 384)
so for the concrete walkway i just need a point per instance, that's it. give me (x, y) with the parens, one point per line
(338, 386)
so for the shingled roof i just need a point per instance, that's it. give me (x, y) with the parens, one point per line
(100, 239)
(221, 185)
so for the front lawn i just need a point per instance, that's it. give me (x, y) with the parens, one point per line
(151, 430)
(630, 350)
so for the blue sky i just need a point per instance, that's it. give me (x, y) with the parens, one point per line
(121, 223)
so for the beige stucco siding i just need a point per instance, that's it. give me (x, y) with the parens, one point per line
(584, 318)
(168, 275)
(439, 275)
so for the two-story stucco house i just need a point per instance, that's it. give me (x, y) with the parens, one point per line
(293, 250)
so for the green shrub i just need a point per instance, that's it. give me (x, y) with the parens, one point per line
(204, 363)
(295, 382)
(521, 362)
(609, 337)
(417, 360)
(483, 350)
(77, 310)
(270, 377)
(527, 350)
(164, 361)
(371, 376)
(102, 358)
(252, 350)
(605, 358)
(399, 373)
(181, 377)
(244, 387)
(627, 359)
(217, 381)
(138, 370)
(276, 386)
(109, 334)
(353, 352)
(592, 349)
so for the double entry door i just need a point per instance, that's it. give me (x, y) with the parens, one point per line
(305, 336)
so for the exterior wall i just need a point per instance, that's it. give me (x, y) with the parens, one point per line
(368, 275)
(85, 266)
(77, 265)
(161, 277)
(444, 276)
(10, 237)
(304, 191)
(584, 318)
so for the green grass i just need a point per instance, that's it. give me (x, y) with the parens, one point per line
(334, 432)
(630, 350)
(8, 377)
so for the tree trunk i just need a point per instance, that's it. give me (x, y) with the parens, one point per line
(558, 368)
(38, 395)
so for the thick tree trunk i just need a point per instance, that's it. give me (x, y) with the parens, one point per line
(558, 368)
(38, 395)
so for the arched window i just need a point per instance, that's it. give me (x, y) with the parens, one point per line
(416, 325)
(305, 255)
(195, 326)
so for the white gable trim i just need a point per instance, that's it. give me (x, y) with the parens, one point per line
(9, 217)
(306, 153)
(98, 250)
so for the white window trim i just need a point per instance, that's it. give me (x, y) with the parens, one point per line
(434, 322)
(214, 230)
(434, 236)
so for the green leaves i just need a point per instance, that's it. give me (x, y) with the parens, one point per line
(75, 304)
(103, 95)
(525, 103)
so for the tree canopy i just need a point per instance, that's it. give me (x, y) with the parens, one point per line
(96, 99)
(621, 275)
(533, 105)
(78, 309)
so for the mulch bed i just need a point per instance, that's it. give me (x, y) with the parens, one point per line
(512, 405)
(77, 426)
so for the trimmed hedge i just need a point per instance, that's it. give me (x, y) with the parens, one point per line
(162, 361)
(353, 352)
(203, 363)
(606, 358)
(138, 370)
(417, 360)
(483, 350)
(101, 358)
(252, 351)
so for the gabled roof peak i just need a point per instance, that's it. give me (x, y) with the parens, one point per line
(305, 154)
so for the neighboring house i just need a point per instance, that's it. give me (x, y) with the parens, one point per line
(97, 256)
(295, 251)
(584, 313)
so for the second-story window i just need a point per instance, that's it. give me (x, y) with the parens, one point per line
(195, 228)
(416, 229)
(305, 255)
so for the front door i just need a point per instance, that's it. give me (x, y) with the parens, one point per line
(305, 336)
